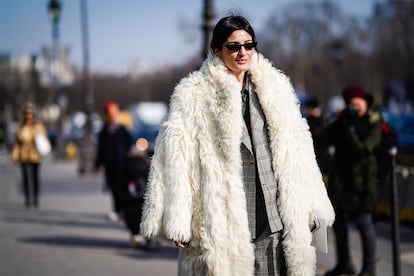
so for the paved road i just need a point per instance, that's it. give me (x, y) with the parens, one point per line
(70, 233)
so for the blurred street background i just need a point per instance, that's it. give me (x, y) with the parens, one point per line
(69, 57)
(70, 233)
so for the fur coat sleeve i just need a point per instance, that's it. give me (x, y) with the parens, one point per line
(168, 203)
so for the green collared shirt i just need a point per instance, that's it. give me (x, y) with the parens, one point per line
(245, 94)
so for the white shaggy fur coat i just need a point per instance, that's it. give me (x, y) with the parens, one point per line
(195, 192)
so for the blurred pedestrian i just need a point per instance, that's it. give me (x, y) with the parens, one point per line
(356, 135)
(317, 123)
(234, 182)
(114, 143)
(389, 139)
(136, 176)
(27, 154)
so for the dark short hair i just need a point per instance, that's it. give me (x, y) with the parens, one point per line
(312, 102)
(226, 26)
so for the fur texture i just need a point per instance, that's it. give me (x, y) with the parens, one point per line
(196, 192)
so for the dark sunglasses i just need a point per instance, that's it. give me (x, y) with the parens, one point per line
(236, 47)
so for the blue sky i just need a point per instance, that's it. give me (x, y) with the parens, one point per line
(125, 33)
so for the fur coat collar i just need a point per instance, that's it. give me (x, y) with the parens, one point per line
(195, 192)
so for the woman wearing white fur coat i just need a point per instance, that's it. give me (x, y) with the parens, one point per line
(200, 190)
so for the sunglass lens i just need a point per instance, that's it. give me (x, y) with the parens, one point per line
(248, 46)
(237, 47)
(233, 47)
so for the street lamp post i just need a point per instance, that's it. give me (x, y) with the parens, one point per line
(54, 9)
(87, 149)
(395, 229)
(208, 25)
(337, 52)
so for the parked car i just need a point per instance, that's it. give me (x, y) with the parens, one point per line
(147, 118)
(406, 141)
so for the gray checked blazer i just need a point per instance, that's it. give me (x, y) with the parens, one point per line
(258, 171)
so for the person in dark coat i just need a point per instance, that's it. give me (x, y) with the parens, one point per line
(137, 168)
(389, 140)
(352, 183)
(114, 143)
(317, 123)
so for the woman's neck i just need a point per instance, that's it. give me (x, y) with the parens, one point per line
(28, 123)
(240, 77)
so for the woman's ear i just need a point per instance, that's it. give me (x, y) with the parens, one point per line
(217, 52)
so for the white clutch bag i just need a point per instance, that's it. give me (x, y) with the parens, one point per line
(42, 144)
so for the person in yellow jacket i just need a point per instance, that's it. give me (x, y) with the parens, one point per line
(27, 155)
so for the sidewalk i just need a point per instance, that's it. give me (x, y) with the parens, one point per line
(70, 233)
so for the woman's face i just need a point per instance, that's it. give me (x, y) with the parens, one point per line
(28, 115)
(239, 61)
(113, 112)
(360, 104)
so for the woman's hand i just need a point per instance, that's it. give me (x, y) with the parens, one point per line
(181, 244)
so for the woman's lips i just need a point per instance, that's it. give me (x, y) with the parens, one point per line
(241, 61)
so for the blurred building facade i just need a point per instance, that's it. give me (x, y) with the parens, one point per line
(29, 78)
